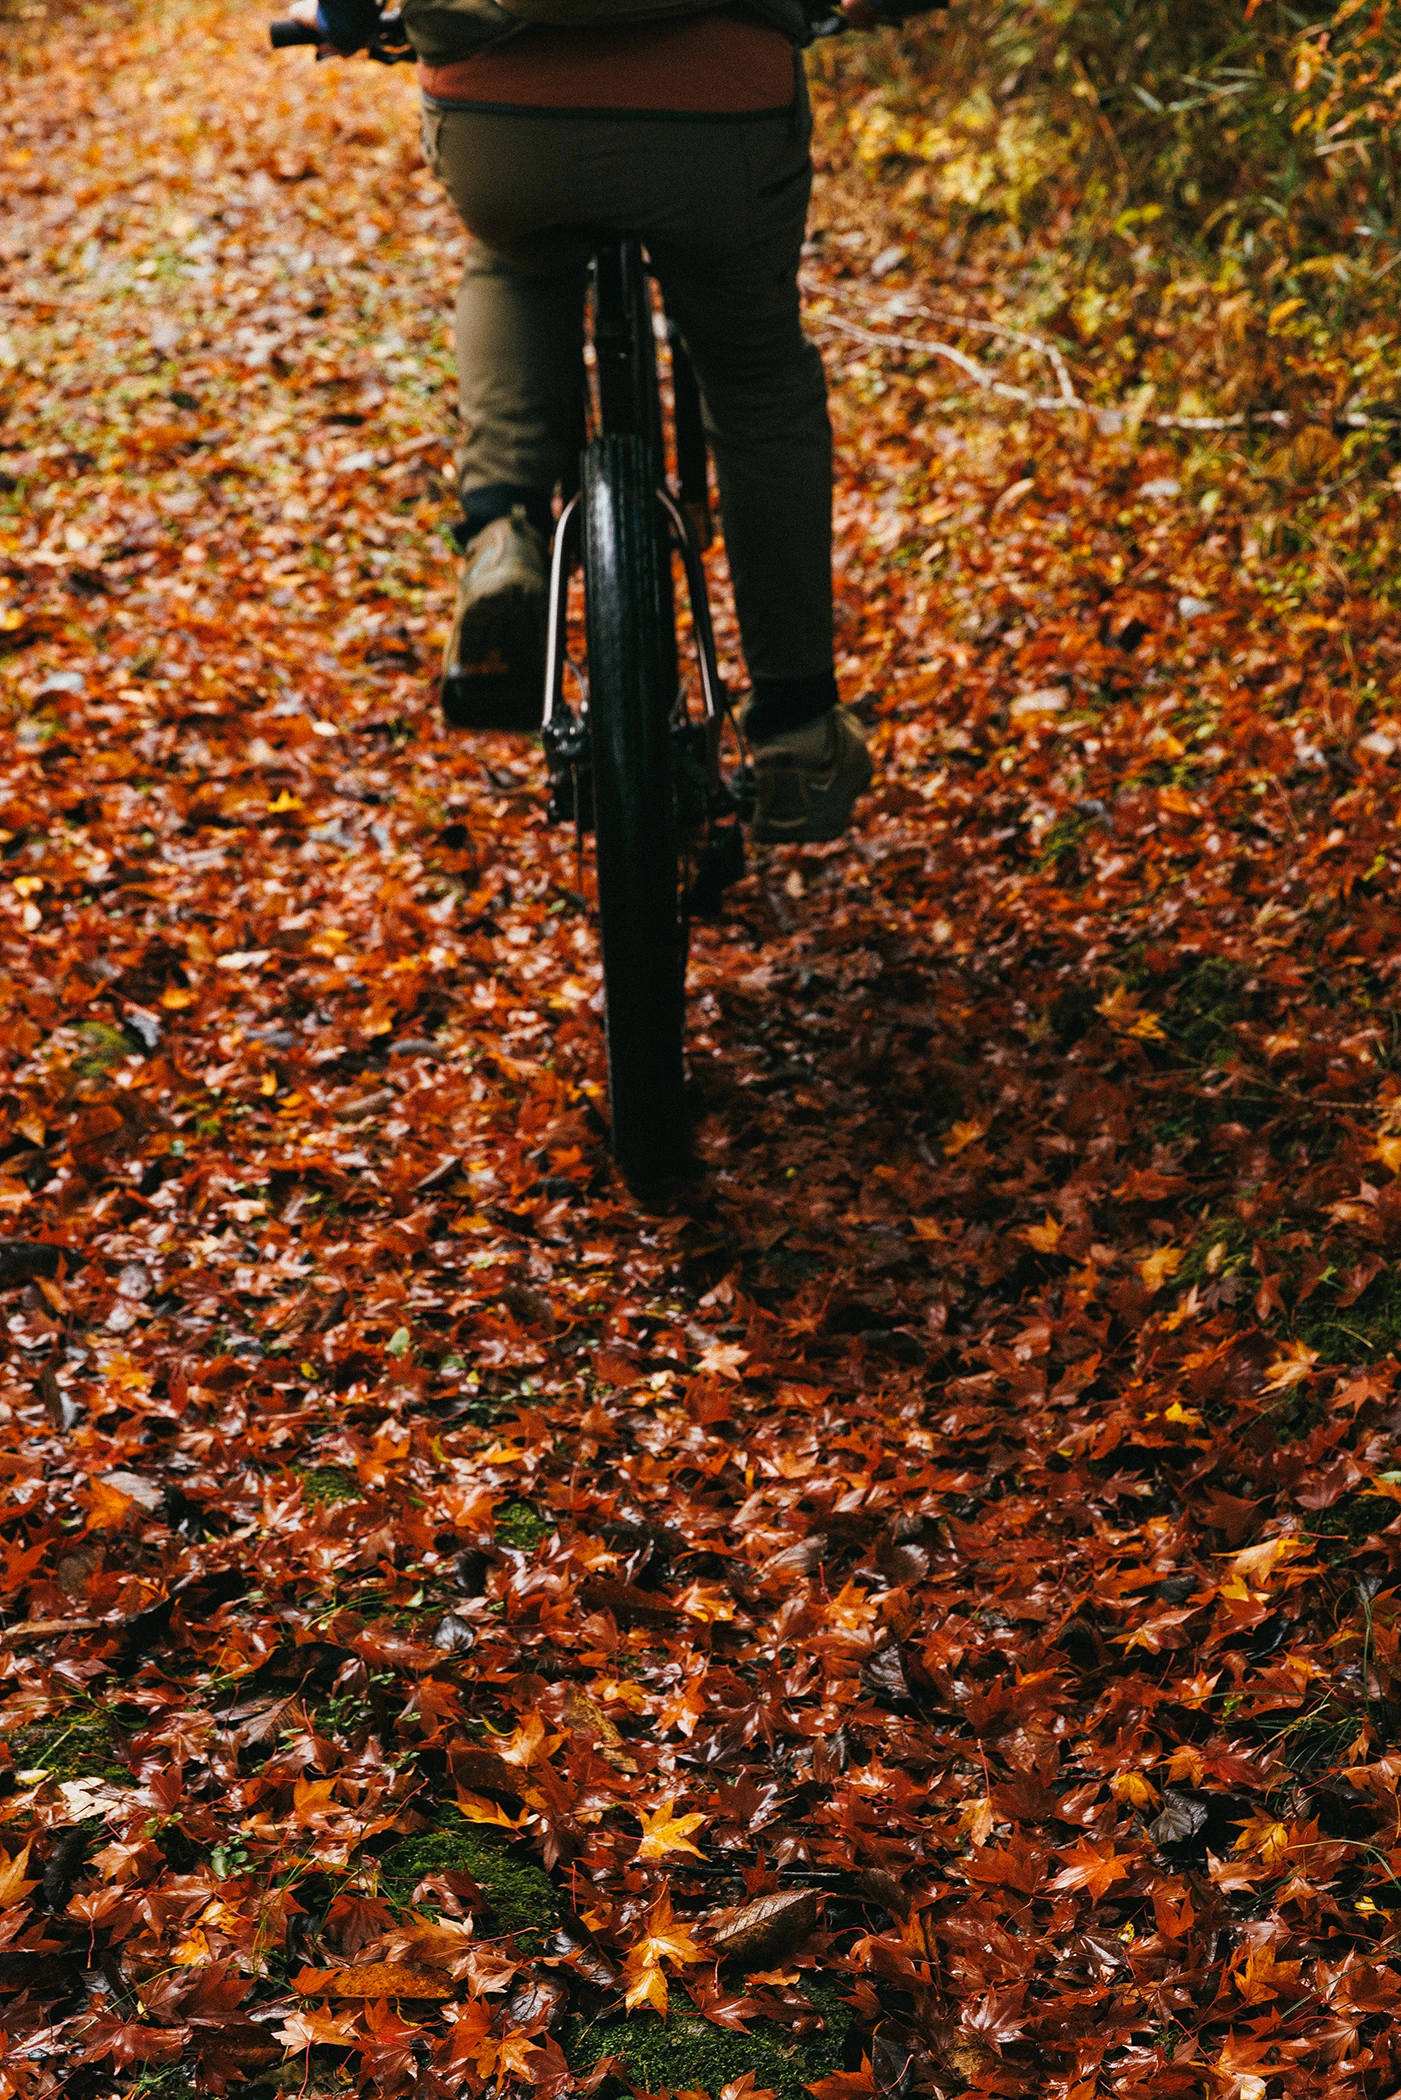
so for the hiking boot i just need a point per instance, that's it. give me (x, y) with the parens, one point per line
(807, 780)
(494, 662)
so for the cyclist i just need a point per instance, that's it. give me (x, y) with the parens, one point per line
(685, 124)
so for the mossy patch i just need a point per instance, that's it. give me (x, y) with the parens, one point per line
(521, 1527)
(75, 1744)
(163, 2082)
(103, 1047)
(1342, 1529)
(324, 1485)
(1369, 1327)
(524, 1901)
(1204, 1007)
(682, 2053)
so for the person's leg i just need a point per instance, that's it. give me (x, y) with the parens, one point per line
(519, 340)
(733, 291)
(519, 343)
(731, 283)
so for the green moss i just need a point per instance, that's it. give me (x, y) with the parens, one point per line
(524, 1901)
(1062, 842)
(1204, 1007)
(102, 1047)
(522, 1528)
(1370, 1326)
(75, 1744)
(683, 2053)
(1342, 1529)
(164, 2082)
(1231, 1237)
(324, 1485)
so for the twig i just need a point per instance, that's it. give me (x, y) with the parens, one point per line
(1109, 420)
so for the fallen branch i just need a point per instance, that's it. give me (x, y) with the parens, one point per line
(1108, 420)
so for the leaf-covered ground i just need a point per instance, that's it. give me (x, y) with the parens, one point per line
(920, 1614)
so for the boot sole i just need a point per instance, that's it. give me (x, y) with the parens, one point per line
(503, 636)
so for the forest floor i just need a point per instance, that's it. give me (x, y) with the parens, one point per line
(919, 1615)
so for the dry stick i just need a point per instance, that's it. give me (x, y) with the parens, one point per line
(1050, 351)
(1108, 419)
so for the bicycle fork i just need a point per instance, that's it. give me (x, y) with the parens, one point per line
(713, 807)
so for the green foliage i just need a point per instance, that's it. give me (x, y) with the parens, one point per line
(1369, 1327)
(324, 1485)
(521, 1527)
(74, 1744)
(524, 1901)
(1204, 1007)
(1342, 1529)
(1161, 172)
(683, 2054)
(103, 1047)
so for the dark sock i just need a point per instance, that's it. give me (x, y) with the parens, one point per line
(483, 506)
(783, 704)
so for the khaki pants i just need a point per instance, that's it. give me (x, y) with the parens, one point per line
(720, 203)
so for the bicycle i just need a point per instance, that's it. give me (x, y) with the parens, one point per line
(638, 762)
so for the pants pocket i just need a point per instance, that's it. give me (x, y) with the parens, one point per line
(784, 182)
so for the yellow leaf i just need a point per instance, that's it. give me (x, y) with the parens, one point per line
(1388, 1151)
(662, 1832)
(1133, 1788)
(313, 1798)
(1291, 1368)
(1263, 1835)
(1044, 1238)
(1257, 1564)
(645, 1986)
(663, 1940)
(976, 1822)
(927, 1229)
(1178, 1413)
(965, 1134)
(1282, 312)
(192, 1951)
(1120, 1008)
(1263, 1977)
(313, 2025)
(528, 1743)
(175, 996)
(477, 1810)
(14, 1886)
(1159, 1266)
(284, 801)
(707, 1602)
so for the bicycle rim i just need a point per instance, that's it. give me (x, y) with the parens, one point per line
(631, 695)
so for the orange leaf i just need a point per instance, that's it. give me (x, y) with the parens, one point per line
(662, 1832)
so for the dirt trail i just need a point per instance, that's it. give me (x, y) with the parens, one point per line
(438, 1597)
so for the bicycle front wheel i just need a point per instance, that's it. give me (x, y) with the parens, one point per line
(632, 691)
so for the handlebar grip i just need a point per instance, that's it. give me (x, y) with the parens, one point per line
(281, 35)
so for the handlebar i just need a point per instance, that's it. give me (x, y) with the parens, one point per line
(282, 35)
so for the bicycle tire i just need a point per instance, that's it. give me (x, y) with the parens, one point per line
(627, 601)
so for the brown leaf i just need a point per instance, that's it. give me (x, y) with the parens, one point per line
(759, 1931)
